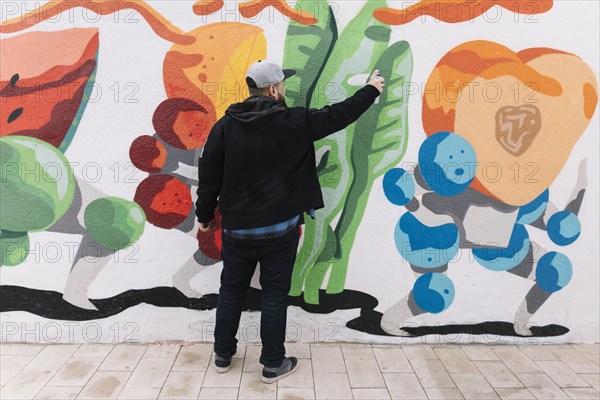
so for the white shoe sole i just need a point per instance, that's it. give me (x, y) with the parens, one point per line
(222, 370)
(275, 379)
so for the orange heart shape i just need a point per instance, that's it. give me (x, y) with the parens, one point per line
(522, 112)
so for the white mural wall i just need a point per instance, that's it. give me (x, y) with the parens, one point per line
(462, 207)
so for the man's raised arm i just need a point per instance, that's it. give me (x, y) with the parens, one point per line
(333, 118)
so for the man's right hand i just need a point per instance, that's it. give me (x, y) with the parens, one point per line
(377, 81)
(207, 226)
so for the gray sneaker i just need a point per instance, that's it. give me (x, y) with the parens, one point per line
(288, 366)
(222, 364)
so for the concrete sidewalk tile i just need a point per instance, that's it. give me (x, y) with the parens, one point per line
(561, 374)
(231, 379)
(592, 379)
(474, 386)
(573, 358)
(253, 388)
(591, 351)
(592, 347)
(450, 352)
(77, 371)
(443, 394)
(303, 378)
(332, 386)
(252, 361)
(392, 359)
(364, 374)
(455, 360)
(52, 357)
(431, 373)
(326, 371)
(298, 350)
(182, 385)
(479, 352)
(21, 349)
(123, 357)
(370, 394)
(26, 384)
(419, 352)
(10, 365)
(209, 393)
(357, 352)
(516, 360)
(404, 386)
(194, 357)
(514, 394)
(582, 393)
(240, 351)
(150, 372)
(138, 393)
(541, 386)
(58, 393)
(537, 352)
(104, 385)
(563, 346)
(498, 374)
(162, 350)
(295, 394)
(327, 359)
(94, 350)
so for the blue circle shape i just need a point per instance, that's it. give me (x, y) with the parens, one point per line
(398, 186)
(433, 292)
(531, 211)
(563, 228)
(425, 246)
(448, 163)
(505, 258)
(554, 271)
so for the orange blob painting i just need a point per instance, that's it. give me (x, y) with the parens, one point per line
(159, 24)
(521, 111)
(43, 86)
(212, 70)
(252, 8)
(207, 7)
(455, 11)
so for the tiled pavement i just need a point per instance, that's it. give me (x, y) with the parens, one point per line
(327, 371)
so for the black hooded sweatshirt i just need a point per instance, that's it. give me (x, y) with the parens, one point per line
(259, 159)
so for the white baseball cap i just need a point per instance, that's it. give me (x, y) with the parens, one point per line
(263, 73)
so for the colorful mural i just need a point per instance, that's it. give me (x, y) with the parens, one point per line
(39, 99)
(350, 160)
(515, 124)
(458, 11)
(497, 129)
(454, 203)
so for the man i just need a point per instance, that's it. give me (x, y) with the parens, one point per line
(259, 160)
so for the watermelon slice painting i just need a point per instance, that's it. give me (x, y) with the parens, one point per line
(46, 79)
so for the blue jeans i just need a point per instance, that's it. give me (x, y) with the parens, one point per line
(276, 257)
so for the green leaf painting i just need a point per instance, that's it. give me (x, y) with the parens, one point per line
(331, 69)
(307, 49)
(379, 143)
